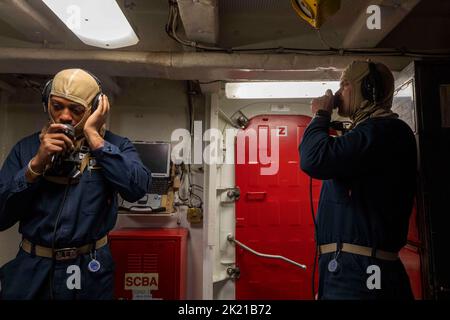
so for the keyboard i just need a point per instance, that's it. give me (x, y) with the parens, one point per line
(159, 186)
(148, 203)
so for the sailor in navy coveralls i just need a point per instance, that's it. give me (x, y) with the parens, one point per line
(65, 213)
(369, 182)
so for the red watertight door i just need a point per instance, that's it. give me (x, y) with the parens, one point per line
(273, 214)
(411, 256)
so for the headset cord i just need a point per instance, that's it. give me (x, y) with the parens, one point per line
(61, 207)
(315, 238)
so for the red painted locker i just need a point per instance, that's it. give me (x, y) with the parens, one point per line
(150, 263)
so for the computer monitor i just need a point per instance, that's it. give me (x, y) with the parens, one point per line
(155, 156)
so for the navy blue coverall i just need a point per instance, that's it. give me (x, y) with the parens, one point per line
(369, 183)
(88, 212)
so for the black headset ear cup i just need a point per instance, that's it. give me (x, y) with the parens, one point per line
(371, 84)
(46, 93)
(96, 101)
(366, 89)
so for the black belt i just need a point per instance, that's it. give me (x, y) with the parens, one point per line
(356, 249)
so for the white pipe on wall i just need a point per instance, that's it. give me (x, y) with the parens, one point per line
(185, 65)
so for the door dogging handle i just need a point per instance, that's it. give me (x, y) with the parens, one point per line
(256, 195)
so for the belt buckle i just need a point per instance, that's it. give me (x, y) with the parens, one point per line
(65, 253)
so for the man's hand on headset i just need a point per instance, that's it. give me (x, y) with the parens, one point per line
(324, 102)
(97, 119)
(95, 123)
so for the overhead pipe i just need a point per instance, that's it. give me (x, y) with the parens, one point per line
(185, 65)
(6, 87)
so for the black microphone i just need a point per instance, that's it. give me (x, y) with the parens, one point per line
(69, 130)
(343, 126)
(337, 125)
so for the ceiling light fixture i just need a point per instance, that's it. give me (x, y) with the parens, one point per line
(279, 90)
(99, 23)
